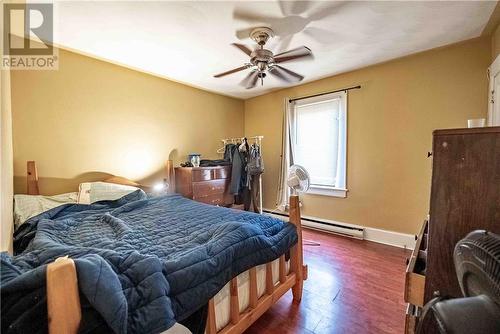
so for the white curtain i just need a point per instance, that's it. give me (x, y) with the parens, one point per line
(6, 165)
(340, 179)
(286, 156)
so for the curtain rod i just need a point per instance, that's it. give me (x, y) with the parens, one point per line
(334, 91)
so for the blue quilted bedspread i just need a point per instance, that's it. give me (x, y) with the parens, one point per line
(145, 263)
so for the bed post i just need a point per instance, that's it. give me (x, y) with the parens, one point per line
(63, 300)
(170, 176)
(296, 255)
(32, 178)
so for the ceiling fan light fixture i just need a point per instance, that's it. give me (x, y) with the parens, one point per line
(261, 66)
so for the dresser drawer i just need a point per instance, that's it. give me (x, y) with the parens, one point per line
(411, 319)
(217, 199)
(222, 173)
(415, 272)
(205, 184)
(206, 188)
(202, 175)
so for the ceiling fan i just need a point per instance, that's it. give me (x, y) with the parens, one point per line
(296, 17)
(263, 60)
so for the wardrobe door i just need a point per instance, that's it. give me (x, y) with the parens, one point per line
(465, 196)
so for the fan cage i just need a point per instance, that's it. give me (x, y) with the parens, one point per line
(477, 260)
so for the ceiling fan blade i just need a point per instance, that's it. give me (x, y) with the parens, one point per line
(243, 48)
(244, 33)
(278, 74)
(285, 42)
(324, 11)
(285, 7)
(300, 7)
(321, 35)
(288, 58)
(251, 17)
(250, 80)
(300, 51)
(230, 72)
(285, 74)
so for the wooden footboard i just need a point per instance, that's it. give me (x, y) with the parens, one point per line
(63, 300)
(294, 280)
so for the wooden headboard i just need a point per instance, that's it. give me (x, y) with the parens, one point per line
(33, 188)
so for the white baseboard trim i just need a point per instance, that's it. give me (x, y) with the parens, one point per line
(380, 236)
(391, 238)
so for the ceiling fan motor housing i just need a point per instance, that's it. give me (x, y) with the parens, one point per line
(261, 58)
(261, 35)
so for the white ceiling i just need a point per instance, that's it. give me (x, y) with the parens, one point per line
(190, 41)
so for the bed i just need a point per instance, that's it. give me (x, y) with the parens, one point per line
(205, 265)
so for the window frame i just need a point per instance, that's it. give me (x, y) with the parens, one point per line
(334, 191)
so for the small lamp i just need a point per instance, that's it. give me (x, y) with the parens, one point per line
(161, 188)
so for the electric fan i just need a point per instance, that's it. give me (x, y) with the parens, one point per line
(477, 263)
(298, 179)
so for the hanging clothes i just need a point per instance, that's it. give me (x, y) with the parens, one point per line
(255, 168)
(247, 166)
(238, 170)
(255, 164)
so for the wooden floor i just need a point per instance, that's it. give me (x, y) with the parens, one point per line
(354, 286)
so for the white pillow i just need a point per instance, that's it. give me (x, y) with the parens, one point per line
(91, 192)
(27, 206)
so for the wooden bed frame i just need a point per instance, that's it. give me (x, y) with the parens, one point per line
(63, 303)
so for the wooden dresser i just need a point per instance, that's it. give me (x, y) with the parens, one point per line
(465, 196)
(205, 184)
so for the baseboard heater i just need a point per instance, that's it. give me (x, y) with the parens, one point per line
(327, 226)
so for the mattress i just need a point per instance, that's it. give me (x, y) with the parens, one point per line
(223, 297)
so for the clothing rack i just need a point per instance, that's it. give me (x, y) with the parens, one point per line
(256, 139)
(233, 140)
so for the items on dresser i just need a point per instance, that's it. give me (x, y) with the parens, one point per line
(194, 158)
(465, 196)
(205, 184)
(208, 163)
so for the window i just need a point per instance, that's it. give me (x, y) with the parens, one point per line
(318, 140)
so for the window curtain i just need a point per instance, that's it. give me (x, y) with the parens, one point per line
(286, 155)
(287, 149)
(6, 165)
(340, 178)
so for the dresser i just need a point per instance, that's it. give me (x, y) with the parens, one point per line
(465, 196)
(208, 185)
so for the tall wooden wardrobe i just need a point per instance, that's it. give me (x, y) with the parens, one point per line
(465, 196)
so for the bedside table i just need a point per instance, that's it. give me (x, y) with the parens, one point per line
(208, 185)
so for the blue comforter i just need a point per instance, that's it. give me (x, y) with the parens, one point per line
(145, 263)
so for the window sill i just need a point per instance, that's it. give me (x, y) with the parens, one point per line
(327, 191)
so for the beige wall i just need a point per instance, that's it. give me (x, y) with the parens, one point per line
(91, 116)
(495, 43)
(390, 124)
